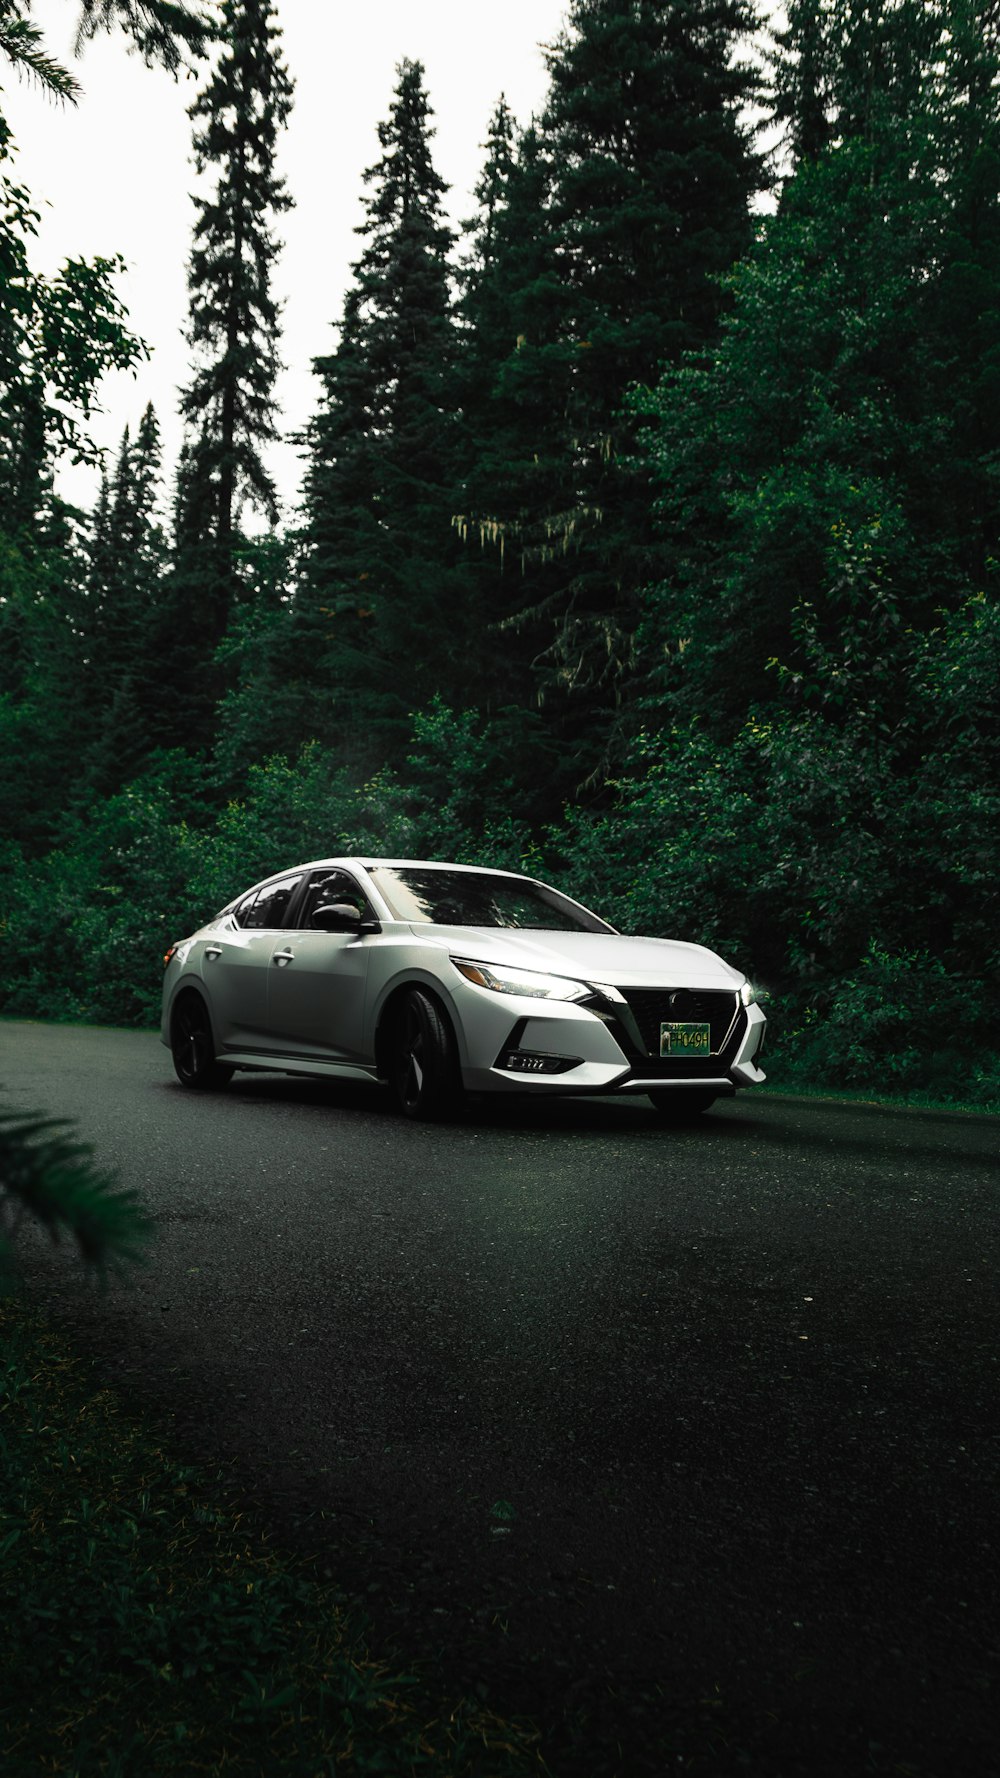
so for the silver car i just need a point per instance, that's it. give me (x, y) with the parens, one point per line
(439, 978)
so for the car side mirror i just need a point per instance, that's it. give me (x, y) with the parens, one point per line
(340, 916)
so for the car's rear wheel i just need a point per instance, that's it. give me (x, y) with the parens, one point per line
(679, 1104)
(423, 1068)
(193, 1047)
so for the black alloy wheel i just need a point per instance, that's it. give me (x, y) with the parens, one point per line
(423, 1070)
(193, 1048)
(678, 1105)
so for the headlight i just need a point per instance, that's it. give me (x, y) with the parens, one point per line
(748, 994)
(520, 981)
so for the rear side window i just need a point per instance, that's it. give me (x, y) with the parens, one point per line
(267, 907)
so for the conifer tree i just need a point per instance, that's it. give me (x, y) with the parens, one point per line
(377, 610)
(826, 476)
(650, 174)
(492, 194)
(234, 326)
(123, 681)
(516, 468)
(800, 59)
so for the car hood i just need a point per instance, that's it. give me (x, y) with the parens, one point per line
(588, 956)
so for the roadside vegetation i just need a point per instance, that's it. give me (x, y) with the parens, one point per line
(150, 1627)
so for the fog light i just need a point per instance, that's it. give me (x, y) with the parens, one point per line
(535, 1062)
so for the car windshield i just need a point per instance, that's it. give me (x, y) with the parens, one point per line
(479, 898)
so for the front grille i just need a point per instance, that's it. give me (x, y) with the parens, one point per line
(652, 1006)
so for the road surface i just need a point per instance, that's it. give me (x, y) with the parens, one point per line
(684, 1442)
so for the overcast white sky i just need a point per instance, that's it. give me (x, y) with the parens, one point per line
(113, 174)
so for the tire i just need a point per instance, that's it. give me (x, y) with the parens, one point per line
(193, 1046)
(423, 1069)
(677, 1105)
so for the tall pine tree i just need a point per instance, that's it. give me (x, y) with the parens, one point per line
(234, 329)
(379, 617)
(122, 685)
(650, 171)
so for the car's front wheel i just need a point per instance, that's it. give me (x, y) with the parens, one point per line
(423, 1068)
(193, 1047)
(679, 1104)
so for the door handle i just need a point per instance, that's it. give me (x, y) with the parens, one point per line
(213, 950)
(282, 956)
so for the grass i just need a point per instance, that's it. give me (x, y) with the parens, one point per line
(150, 1629)
(914, 1100)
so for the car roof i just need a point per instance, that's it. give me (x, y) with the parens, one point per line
(368, 863)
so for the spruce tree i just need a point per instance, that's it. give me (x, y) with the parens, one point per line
(234, 319)
(516, 467)
(800, 59)
(379, 613)
(123, 683)
(650, 174)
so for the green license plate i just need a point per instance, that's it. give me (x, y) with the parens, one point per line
(685, 1040)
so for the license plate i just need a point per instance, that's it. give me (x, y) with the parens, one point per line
(685, 1040)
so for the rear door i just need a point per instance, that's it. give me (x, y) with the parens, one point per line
(316, 980)
(235, 964)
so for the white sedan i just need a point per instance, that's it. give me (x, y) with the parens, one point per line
(439, 978)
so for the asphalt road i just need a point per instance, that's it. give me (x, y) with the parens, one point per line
(684, 1442)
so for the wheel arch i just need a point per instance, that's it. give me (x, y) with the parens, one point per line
(390, 1007)
(185, 991)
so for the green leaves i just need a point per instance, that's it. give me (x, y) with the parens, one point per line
(22, 43)
(58, 336)
(47, 1174)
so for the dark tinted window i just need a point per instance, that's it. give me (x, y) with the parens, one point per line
(269, 904)
(479, 898)
(326, 887)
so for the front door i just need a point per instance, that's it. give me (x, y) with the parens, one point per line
(316, 980)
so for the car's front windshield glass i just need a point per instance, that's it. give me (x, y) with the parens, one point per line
(479, 898)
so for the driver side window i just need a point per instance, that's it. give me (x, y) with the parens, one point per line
(328, 886)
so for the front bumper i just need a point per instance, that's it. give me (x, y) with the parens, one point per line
(595, 1047)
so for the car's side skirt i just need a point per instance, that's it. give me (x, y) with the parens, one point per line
(246, 1059)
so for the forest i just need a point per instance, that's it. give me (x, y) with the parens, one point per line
(647, 537)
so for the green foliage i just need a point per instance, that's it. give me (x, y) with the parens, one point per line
(461, 791)
(898, 1023)
(162, 31)
(611, 231)
(184, 1642)
(663, 857)
(234, 317)
(23, 45)
(50, 1176)
(380, 618)
(849, 863)
(228, 405)
(57, 338)
(120, 635)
